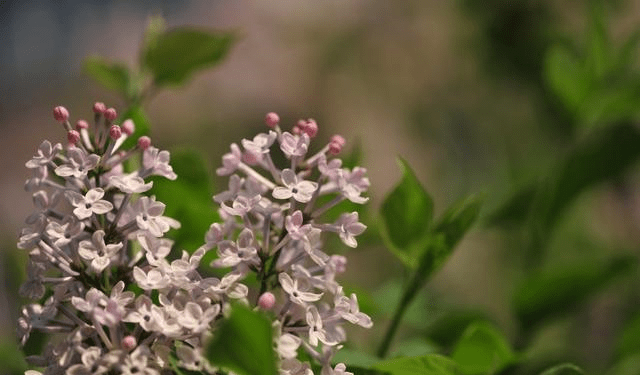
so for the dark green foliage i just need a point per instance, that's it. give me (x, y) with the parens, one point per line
(188, 198)
(430, 364)
(173, 56)
(564, 369)
(556, 292)
(113, 76)
(243, 343)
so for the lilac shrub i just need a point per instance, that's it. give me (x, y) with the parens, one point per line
(112, 301)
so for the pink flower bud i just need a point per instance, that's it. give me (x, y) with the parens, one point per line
(338, 139)
(335, 148)
(110, 114)
(81, 124)
(115, 132)
(99, 107)
(60, 114)
(310, 127)
(272, 119)
(73, 136)
(129, 343)
(144, 142)
(296, 130)
(128, 127)
(266, 301)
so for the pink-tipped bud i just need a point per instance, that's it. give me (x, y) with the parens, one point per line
(110, 114)
(128, 127)
(99, 107)
(60, 114)
(272, 119)
(335, 148)
(338, 139)
(144, 142)
(115, 132)
(81, 124)
(73, 137)
(310, 127)
(266, 301)
(129, 343)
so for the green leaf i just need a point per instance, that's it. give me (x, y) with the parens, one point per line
(353, 357)
(430, 364)
(566, 76)
(458, 218)
(243, 343)
(173, 56)
(626, 366)
(564, 369)
(629, 340)
(482, 349)
(141, 122)
(12, 360)
(188, 198)
(407, 213)
(113, 76)
(447, 328)
(557, 291)
(598, 49)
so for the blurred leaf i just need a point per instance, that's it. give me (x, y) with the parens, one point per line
(619, 101)
(482, 349)
(407, 213)
(566, 76)
(553, 293)
(173, 56)
(629, 365)
(389, 295)
(598, 51)
(449, 326)
(141, 122)
(113, 76)
(243, 343)
(601, 156)
(188, 198)
(629, 340)
(414, 347)
(156, 25)
(458, 218)
(430, 364)
(564, 369)
(628, 52)
(352, 357)
(12, 360)
(515, 210)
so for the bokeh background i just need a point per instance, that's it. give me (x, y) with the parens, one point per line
(457, 88)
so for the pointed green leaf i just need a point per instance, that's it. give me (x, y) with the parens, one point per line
(598, 50)
(458, 218)
(557, 291)
(407, 213)
(243, 343)
(113, 76)
(564, 369)
(188, 198)
(629, 340)
(430, 364)
(482, 349)
(173, 56)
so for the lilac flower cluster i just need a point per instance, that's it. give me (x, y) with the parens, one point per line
(272, 226)
(98, 265)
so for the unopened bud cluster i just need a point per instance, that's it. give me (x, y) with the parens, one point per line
(98, 267)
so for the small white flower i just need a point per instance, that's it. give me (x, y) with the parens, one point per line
(297, 295)
(97, 252)
(79, 164)
(294, 145)
(301, 191)
(130, 183)
(157, 162)
(45, 154)
(89, 204)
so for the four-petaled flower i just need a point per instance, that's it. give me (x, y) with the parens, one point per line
(89, 204)
(301, 191)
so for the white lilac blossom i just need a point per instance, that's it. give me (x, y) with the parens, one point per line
(96, 237)
(93, 237)
(273, 226)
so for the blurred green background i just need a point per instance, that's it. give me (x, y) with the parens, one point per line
(532, 103)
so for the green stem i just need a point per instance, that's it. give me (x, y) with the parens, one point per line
(418, 279)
